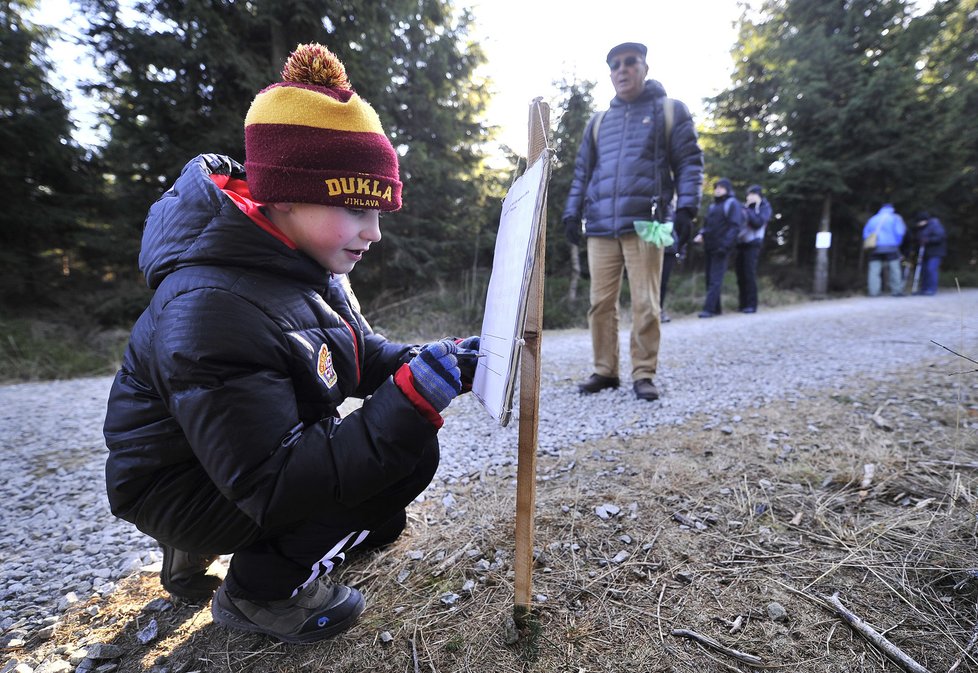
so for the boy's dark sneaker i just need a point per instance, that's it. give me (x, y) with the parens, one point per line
(319, 611)
(184, 574)
(596, 383)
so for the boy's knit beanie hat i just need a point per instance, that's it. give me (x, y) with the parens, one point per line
(311, 139)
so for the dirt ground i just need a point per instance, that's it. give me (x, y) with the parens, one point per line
(646, 548)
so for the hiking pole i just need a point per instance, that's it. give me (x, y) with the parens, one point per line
(916, 272)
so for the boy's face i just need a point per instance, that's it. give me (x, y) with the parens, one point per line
(335, 237)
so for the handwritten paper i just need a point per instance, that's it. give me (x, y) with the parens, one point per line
(506, 298)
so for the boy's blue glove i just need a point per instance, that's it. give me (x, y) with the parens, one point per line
(468, 359)
(436, 374)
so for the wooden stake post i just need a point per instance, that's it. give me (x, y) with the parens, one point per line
(539, 125)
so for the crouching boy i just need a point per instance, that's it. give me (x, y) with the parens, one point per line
(222, 423)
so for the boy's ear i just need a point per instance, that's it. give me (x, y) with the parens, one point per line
(282, 207)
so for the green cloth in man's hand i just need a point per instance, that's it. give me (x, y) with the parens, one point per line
(658, 234)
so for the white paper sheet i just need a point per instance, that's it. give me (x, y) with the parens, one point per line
(505, 313)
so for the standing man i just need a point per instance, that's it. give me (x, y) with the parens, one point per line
(718, 236)
(629, 168)
(882, 237)
(932, 241)
(757, 213)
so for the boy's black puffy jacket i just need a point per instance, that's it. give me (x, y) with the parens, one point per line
(617, 189)
(238, 365)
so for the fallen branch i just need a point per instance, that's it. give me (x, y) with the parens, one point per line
(895, 654)
(709, 642)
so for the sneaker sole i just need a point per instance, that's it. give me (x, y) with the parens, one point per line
(225, 614)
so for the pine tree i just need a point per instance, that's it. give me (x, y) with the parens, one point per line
(42, 169)
(826, 99)
(179, 82)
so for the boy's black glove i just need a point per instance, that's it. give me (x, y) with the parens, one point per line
(468, 360)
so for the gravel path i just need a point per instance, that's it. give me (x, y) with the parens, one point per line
(60, 544)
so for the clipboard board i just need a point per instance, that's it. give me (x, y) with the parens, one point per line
(507, 296)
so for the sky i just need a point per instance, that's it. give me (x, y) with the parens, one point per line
(530, 44)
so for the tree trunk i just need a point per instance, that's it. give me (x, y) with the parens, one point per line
(822, 254)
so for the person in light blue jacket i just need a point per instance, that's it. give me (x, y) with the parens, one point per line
(889, 229)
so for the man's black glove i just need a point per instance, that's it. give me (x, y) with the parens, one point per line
(683, 225)
(572, 229)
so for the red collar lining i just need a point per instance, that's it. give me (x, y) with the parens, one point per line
(238, 191)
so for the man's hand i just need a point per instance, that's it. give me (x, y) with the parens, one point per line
(572, 229)
(684, 224)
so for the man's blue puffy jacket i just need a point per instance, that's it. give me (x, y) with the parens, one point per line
(614, 186)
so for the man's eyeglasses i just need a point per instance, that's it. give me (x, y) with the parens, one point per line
(628, 62)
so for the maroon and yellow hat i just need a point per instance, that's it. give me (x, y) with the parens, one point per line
(311, 139)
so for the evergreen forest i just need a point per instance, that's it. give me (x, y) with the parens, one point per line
(835, 107)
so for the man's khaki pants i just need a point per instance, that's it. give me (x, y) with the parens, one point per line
(607, 258)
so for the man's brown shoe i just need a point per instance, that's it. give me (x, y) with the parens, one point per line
(645, 390)
(596, 383)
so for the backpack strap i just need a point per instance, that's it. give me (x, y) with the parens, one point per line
(669, 112)
(595, 125)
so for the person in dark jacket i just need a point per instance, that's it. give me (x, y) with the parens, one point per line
(932, 241)
(222, 424)
(628, 169)
(718, 236)
(756, 213)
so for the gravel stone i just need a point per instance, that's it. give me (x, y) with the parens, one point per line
(61, 544)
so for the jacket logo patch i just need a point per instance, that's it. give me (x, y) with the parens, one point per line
(647, 120)
(325, 367)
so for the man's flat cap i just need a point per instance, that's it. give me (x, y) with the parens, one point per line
(627, 46)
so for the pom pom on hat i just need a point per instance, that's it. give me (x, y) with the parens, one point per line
(311, 139)
(315, 64)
